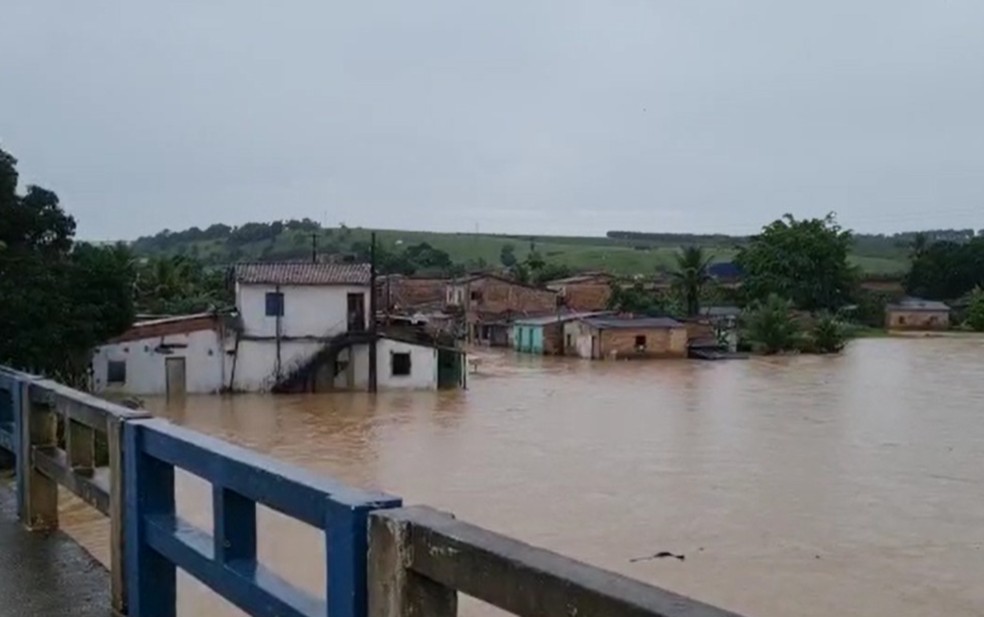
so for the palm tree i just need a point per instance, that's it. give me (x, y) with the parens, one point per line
(920, 242)
(691, 275)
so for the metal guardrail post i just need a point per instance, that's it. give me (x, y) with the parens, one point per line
(39, 429)
(149, 490)
(394, 589)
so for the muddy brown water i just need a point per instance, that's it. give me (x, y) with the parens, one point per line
(797, 486)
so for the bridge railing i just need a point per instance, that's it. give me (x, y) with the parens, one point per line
(420, 558)
(158, 540)
(63, 437)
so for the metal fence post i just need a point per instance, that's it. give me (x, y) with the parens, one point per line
(39, 429)
(149, 491)
(394, 589)
(117, 526)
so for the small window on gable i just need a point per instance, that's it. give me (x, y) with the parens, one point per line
(116, 371)
(476, 296)
(400, 364)
(275, 304)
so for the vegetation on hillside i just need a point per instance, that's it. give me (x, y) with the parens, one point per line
(293, 240)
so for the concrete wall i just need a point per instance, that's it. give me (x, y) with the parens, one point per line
(578, 339)
(309, 310)
(592, 296)
(145, 361)
(917, 320)
(256, 362)
(423, 366)
(584, 341)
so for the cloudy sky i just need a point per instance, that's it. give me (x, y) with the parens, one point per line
(535, 116)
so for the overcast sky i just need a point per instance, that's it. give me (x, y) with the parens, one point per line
(531, 116)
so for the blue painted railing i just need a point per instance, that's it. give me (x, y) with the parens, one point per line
(157, 540)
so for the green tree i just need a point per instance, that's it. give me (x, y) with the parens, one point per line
(975, 310)
(179, 285)
(58, 299)
(771, 326)
(802, 260)
(635, 299)
(690, 276)
(507, 255)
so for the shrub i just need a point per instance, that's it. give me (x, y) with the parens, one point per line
(771, 326)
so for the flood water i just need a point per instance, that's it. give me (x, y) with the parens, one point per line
(798, 486)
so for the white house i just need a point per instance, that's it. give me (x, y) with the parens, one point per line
(176, 355)
(304, 326)
(288, 312)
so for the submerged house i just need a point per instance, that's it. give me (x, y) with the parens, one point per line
(917, 314)
(489, 305)
(623, 337)
(298, 327)
(543, 335)
(172, 355)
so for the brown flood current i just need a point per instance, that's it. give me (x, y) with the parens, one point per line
(798, 486)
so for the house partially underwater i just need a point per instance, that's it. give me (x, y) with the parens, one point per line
(297, 327)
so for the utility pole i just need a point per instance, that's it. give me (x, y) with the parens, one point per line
(372, 314)
(314, 247)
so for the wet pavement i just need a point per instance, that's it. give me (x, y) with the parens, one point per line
(46, 574)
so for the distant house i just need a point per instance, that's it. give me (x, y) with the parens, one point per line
(584, 292)
(543, 335)
(397, 292)
(619, 337)
(166, 355)
(917, 314)
(489, 304)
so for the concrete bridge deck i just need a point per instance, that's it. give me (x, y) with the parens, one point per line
(46, 574)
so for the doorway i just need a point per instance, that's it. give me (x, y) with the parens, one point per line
(356, 312)
(175, 377)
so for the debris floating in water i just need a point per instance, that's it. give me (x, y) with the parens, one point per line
(660, 555)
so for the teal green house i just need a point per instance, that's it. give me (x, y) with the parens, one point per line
(543, 335)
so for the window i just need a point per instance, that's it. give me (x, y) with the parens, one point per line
(116, 371)
(400, 364)
(640, 342)
(476, 296)
(275, 304)
(901, 320)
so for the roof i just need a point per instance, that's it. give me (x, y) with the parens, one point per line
(631, 323)
(302, 273)
(586, 277)
(720, 311)
(555, 318)
(477, 277)
(165, 326)
(917, 305)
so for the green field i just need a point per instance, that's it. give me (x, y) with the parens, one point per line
(624, 257)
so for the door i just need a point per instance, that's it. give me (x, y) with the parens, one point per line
(356, 312)
(175, 377)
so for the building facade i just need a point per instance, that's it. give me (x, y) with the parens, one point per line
(917, 314)
(584, 292)
(288, 312)
(543, 335)
(174, 356)
(489, 304)
(615, 337)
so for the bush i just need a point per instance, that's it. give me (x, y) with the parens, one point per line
(771, 326)
(975, 310)
(828, 335)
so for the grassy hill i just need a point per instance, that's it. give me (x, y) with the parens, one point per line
(220, 245)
